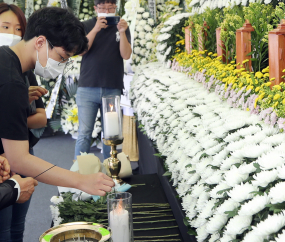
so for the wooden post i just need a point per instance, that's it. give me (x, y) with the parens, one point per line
(202, 36)
(276, 48)
(189, 38)
(243, 44)
(220, 45)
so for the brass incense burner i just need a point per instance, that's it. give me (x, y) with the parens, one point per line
(113, 162)
(77, 231)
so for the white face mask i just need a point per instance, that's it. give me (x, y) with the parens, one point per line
(106, 14)
(9, 39)
(52, 69)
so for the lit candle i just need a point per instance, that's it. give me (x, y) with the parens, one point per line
(112, 123)
(119, 224)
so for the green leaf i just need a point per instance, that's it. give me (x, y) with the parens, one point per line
(189, 165)
(192, 172)
(185, 221)
(158, 155)
(257, 166)
(168, 173)
(224, 190)
(192, 232)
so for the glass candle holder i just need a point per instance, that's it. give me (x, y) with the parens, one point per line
(120, 216)
(112, 118)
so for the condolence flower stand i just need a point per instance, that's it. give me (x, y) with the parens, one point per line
(120, 216)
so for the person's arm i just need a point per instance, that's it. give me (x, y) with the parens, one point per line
(100, 24)
(8, 195)
(37, 120)
(125, 46)
(21, 161)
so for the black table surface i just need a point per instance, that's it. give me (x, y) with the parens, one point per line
(151, 192)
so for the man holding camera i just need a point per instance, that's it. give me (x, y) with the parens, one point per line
(102, 69)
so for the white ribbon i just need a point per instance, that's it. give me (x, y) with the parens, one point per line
(53, 97)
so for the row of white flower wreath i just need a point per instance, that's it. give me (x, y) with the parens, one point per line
(212, 147)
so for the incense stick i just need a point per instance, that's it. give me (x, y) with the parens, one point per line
(44, 171)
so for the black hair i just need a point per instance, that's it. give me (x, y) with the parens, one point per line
(96, 2)
(60, 27)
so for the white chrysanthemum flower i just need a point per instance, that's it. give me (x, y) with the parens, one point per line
(277, 194)
(208, 210)
(197, 190)
(281, 237)
(145, 15)
(271, 160)
(138, 59)
(56, 199)
(274, 139)
(201, 233)
(242, 192)
(214, 237)
(263, 178)
(247, 168)
(281, 172)
(215, 178)
(228, 162)
(142, 42)
(253, 236)
(237, 145)
(216, 223)
(220, 187)
(163, 37)
(147, 28)
(148, 36)
(166, 29)
(252, 151)
(233, 177)
(271, 225)
(254, 206)
(149, 45)
(141, 10)
(139, 29)
(141, 35)
(150, 21)
(142, 22)
(238, 224)
(228, 205)
(139, 16)
(227, 238)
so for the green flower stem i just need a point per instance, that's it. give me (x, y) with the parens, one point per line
(158, 240)
(170, 227)
(153, 212)
(157, 221)
(156, 236)
(162, 215)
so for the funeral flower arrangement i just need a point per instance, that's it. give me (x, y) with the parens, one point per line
(86, 10)
(143, 38)
(171, 38)
(227, 165)
(70, 123)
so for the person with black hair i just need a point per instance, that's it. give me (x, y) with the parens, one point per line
(102, 70)
(52, 36)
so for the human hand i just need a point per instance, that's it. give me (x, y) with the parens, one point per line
(122, 26)
(27, 186)
(96, 184)
(35, 92)
(4, 169)
(100, 24)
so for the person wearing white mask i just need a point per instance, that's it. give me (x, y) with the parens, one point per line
(51, 37)
(12, 29)
(102, 70)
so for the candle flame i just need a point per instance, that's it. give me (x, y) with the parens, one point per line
(120, 208)
(111, 107)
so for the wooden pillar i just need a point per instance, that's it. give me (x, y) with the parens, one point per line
(276, 48)
(220, 45)
(243, 44)
(189, 38)
(202, 36)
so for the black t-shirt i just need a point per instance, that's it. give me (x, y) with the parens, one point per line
(102, 65)
(14, 98)
(30, 77)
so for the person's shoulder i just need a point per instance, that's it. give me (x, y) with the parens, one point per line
(31, 77)
(90, 22)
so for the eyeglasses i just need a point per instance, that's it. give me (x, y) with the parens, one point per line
(67, 62)
(104, 10)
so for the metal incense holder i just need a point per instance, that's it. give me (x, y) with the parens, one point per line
(113, 162)
(77, 231)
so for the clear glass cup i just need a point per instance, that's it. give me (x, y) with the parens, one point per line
(120, 216)
(112, 118)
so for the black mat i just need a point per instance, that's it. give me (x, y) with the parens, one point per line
(152, 192)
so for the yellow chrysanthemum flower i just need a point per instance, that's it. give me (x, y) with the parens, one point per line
(276, 96)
